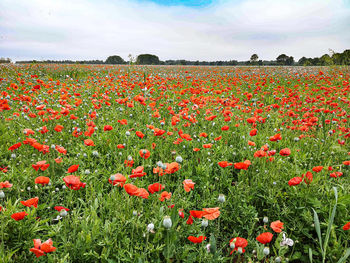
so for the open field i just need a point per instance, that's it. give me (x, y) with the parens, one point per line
(174, 164)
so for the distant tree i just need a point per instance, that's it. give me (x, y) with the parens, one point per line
(147, 59)
(5, 60)
(345, 57)
(302, 61)
(254, 58)
(115, 60)
(326, 60)
(283, 59)
(290, 61)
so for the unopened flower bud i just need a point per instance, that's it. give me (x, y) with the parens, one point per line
(167, 222)
(204, 222)
(221, 198)
(150, 227)
(63, 213)
(266, 251)
(265, 219)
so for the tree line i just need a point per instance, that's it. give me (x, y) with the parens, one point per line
(150, 59)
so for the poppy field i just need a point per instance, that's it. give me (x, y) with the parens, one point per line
(174, 164)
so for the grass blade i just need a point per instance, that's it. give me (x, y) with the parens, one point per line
(318, 229)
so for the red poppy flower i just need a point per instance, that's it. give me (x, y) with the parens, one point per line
(137, 172)
(107, 128)
(253, 132)
(119, 180)
(346, 226)
(295, 181)
(42, 165)
(58, 128)
(243, 165)
(164, 195)
(189, 220)
(60, 149)
(196, 240)
(276, 137)
(31, 202)
(260, 153)
(239, 243)
(265, 238)
(156, 187)
(41, 248)
(317, 169)
(15, 146)
(73, 168)
(73, 182)
(308, 177)
(89, 142)
(211, 213)
(142, 192)
(285, 152)
(196, 213)
(172, 167)
(5, 184)
(188, 185)
(19, 216)
(131, 189)
(43, 180)
(59, 208)
(336, 174)
(277, 226)
(140, 134)
(224, 164)
(144, 153)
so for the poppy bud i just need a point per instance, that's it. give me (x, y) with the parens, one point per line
(167, 222)
(204, 222)
(278, 260)
(150, 227)
(112, 178)
(63, 213)
(232, 245)
(127, 133)
(134, 213)
(208, 248)
(266, 251)
(2, 194)
(178, 159)
(221, 198)
(240, 250)
(265, 219)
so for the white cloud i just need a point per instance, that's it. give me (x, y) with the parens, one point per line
(87, 29)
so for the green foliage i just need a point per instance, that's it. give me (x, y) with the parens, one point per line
(114, 60)
(147, 59)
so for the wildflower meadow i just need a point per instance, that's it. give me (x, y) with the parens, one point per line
(102, 163)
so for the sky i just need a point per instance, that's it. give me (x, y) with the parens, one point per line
(172, 29)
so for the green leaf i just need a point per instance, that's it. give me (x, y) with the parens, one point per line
(310, 254)
(347, 254)
(318, 229)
